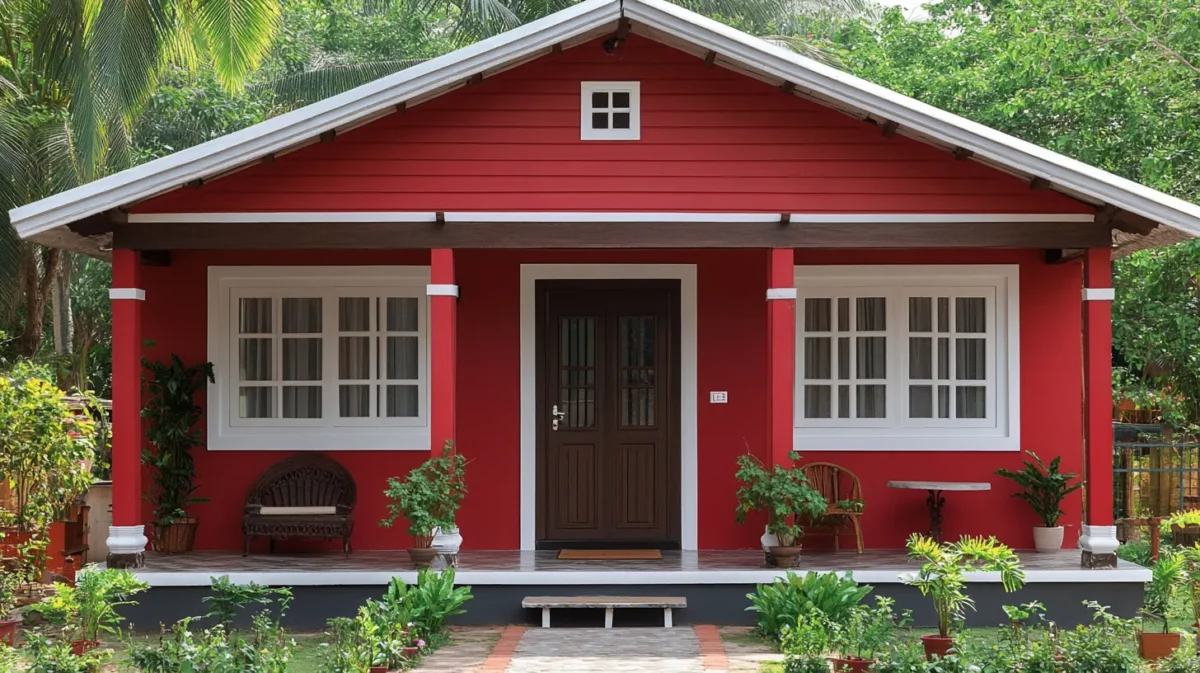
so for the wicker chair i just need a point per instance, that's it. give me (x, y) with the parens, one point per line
(308, 480)
(836, 483)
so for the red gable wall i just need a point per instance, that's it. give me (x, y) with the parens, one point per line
(712, 140)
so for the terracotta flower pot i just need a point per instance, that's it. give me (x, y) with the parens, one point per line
(177, 537)
(851, 665)
(1155, 646)
(936, 645)
(378, 669)
(422, 557)
(82, 647)
(410, 652)
(784, 557)
(8, 631)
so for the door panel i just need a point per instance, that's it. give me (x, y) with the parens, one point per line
(608, 426)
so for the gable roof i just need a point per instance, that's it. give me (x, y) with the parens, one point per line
(1137, 208)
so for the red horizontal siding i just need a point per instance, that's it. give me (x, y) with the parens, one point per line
(712, 140)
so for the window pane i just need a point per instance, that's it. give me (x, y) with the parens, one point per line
(301, 401)
(816, 402)
(843, 401)
(402, 314)
(843, 357)
(354, 401)
(816, 315)
(970, 402)
(254, 315)
(599, 120)
(816, 358)
(920, 401)
(943, 401)
(620, 120)
(872, 358)
(258, 402)
(402, 358)
(870, 314)
(301, 316)
(843, 314)
(943, 314)
(920, 358)
(402, 402)
(354, 314)
(620, 99)
(354, 358)
(254, 360)
(969, 314)
(943, 358)
(301, 360)
(920, 314)
(872, 401)
(969, 359)
(599, 99)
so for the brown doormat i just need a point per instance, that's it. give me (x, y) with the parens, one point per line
(609, 555)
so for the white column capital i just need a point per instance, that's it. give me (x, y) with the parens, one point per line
(441, 290)
(781, 293)
(1099, 294)
(126, 539)
(127, 293)
(1099, 539)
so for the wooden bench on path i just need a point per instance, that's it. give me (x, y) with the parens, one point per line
(609, 603)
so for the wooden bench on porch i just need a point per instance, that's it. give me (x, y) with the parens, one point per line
(609, 603)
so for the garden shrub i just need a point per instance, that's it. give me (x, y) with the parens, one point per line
(781, 603)
(1136, 551)
(1104, 645)
(228, 599)
(268, 649)
(54, 656)
(433, 599)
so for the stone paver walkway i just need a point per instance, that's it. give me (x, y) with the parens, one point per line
(468, 650)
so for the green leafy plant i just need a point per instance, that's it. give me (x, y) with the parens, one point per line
(45, 655)
(1181, 519)
(867, 630)
(781, 603)
(1182, 660)
(429, 496)
(434, 599)
(901, 658)
(805, 643)
(782, 492)
(179, 650)
(1191, 578)
(173, 415)
(1105, 645)
(851, 505)
(89, 608)
(1136, 551)
(1165, 578)
(227, 599)
(1043, 486)
(943, 573)
(9, 581)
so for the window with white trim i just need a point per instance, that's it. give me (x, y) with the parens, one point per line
(610, 111)
(906, 357)
(319, 358)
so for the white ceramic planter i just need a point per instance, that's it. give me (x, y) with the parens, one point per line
(1047, 539)
(447, 544)
(768, 540)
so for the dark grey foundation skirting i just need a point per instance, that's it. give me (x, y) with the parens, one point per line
(721, 604)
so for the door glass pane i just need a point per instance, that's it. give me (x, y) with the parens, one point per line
(637, 343)
(402, 358)
(256, 402)
(301, 315)
(970, 402)
(354, 314)
(402, 401)
(920, 401)
(254, 315)
(577, 372)
(816, 358)
(872, 401)
(816, 401)
(354, 401)
(354, 358)
(301, 401)
(402, 314)
(816, 315)
(254, 359)
(871, 314)
(969, 315)
(301, 360)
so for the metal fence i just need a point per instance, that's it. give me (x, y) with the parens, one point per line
(1155, 472)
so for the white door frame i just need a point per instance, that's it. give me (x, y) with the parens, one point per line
(686, 275)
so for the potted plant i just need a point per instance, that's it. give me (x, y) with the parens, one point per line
(427, 499)
(1183, 526)
(942, 577)
(89, 608)
(172, 412)
(784, 494)
(8, 602)
(1165, 578)
(1044, 487)
(866, 632)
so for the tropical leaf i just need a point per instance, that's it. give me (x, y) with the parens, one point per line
(313, 85)
(238, 34)
(126, 46)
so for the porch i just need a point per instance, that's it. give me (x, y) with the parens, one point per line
(714, 582)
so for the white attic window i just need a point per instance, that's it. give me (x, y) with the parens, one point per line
(610, 111)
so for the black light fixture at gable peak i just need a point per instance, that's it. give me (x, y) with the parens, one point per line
(612, 43)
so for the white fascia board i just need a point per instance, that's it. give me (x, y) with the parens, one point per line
(278, 133)
(599, 217)
(1068, 173)
(256, 218)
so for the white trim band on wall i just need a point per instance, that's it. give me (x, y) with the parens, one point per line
(1099, 294)
(781, 293)
(441, 290)
(127, 293)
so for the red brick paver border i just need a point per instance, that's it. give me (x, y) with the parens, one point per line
(712, 648)
(502, 653)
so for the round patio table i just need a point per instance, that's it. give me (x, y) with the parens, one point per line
(936, 501)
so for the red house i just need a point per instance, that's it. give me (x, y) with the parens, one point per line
(606, 253)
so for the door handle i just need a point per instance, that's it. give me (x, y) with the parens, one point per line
(556, 416)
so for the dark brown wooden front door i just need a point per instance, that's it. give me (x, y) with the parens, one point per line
(608, 438)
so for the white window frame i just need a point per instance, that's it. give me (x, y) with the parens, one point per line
(228, 432)
(999, 432)
(586, 132)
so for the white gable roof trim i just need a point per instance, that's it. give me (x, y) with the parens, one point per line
(449, 71)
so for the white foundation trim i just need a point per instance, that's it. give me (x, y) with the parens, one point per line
(1099, 294)
(126, 539)
(127, 293)
(688, 390)
(575, 217)
(436, 290)
(1099, 539)
(781, 293)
